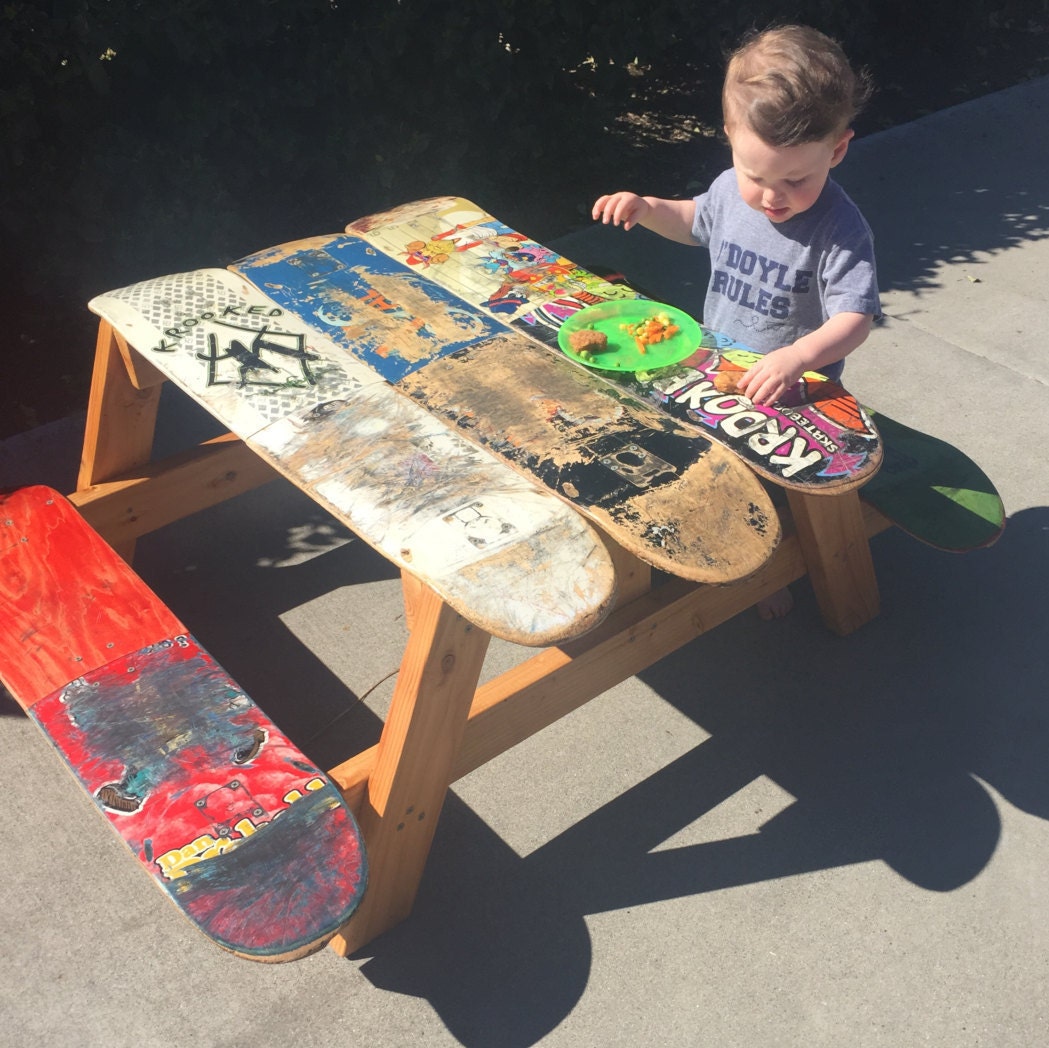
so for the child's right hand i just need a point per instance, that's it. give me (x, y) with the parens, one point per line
(625, 209)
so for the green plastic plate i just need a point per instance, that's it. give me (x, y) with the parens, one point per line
(622, 353)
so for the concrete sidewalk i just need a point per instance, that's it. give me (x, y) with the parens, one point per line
(807, 841)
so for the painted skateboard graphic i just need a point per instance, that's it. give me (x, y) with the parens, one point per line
(249, 839)
(925, 486)
(933, 491)
(430, 501)
(818, 440)
(670, 496)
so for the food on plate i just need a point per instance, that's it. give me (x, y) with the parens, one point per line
(654, 329)
(588, 338)
(728, 381)
(586, 342)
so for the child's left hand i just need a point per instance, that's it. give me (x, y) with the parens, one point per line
(767, 379)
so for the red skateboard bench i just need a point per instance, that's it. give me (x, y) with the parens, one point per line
(246, 836)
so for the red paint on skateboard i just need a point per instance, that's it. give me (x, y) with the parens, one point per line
(70, 603)
(245, 835)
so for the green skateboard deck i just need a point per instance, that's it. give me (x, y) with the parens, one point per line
(933, 491)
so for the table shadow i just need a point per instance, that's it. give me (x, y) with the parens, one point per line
(898, 744)
(893, 742)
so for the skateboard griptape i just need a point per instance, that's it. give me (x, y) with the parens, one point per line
(933, 491)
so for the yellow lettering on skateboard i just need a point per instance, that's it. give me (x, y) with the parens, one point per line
(295, 795)
(174, 863)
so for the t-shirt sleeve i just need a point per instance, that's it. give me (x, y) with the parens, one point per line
(849, 272)
(707, 205)
(701, 220)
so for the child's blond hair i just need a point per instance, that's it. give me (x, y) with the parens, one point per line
(791, 85)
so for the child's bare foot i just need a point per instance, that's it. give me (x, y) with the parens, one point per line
(776, 605)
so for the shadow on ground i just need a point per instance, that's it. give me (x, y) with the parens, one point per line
(894, 743)
(888, 740)
(943, 191)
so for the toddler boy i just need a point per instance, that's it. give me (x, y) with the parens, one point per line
(792, 259)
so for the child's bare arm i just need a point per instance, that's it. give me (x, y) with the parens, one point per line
(669, 218)
(770, 377)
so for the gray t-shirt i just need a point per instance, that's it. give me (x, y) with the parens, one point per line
(771, 283)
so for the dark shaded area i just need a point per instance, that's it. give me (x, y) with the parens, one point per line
(141, 140)
(890, 766)
(893, 741)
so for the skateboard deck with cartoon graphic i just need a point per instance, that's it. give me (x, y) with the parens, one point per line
(925, 486)
(662, 491)
(249, 839)
(429, 501)
(817, 440)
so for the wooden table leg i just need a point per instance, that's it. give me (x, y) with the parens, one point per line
(414, 763)
(413, 592)
(121, 417)
(833, 537)
(633, 576)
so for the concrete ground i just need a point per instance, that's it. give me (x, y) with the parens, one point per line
(775, 837)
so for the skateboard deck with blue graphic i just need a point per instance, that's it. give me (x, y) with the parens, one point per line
(818, 439)
(661, 490)
(245, 835)
(427, 499)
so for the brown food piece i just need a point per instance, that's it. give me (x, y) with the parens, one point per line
(587, 338)
(727, 381)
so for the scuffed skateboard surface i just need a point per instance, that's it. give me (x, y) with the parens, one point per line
(243, 833)
(659, 489)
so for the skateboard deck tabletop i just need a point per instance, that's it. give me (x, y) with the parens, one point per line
(508, 556)
(928, 488)
(818, 440)
(662, 491)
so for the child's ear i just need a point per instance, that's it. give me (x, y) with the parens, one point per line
(841, 148)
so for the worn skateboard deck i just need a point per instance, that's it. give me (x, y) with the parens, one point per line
(503, 553)
(248, 838)
(659, 489)
(933, 491)
(817, 440)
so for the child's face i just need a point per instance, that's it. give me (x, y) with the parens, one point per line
(782, 181)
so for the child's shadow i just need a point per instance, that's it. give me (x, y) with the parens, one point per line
(886, 739)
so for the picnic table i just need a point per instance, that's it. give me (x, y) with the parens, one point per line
(441, 724)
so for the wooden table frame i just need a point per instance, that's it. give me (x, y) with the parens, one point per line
(441, 725)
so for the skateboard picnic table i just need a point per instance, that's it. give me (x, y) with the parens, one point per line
(621, 617)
